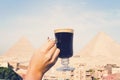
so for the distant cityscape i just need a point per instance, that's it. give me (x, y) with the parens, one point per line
(98, 60)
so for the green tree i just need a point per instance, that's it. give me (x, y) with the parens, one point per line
(8, 74)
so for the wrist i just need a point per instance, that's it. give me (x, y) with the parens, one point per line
(33, 75)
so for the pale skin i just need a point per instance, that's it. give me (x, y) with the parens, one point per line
(42, 60)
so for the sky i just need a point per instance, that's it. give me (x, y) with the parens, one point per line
(37, 19)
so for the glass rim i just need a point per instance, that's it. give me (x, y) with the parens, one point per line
(64, 30)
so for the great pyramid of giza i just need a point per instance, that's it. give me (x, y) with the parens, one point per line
(20, 51)
(102, 49)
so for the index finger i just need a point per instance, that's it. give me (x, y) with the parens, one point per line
(48, 45)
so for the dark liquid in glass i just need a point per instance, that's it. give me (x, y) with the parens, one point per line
(65, 44)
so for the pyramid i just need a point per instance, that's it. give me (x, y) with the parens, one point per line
(20, 51)
(102, 49)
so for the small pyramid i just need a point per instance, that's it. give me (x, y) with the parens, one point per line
(20, 51)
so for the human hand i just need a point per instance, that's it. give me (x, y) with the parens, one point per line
(42, 60)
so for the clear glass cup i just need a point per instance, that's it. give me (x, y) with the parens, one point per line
(64, 41)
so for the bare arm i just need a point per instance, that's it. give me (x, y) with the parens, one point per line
(42, 60)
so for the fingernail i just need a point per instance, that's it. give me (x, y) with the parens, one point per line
(52, 40)
(48, 38)
(56, 41)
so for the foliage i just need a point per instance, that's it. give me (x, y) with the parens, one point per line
(91, 70)
(93, 78)
(8, 73)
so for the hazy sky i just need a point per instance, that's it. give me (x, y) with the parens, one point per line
(36, 19)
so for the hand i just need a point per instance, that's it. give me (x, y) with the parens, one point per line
(42, 60)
